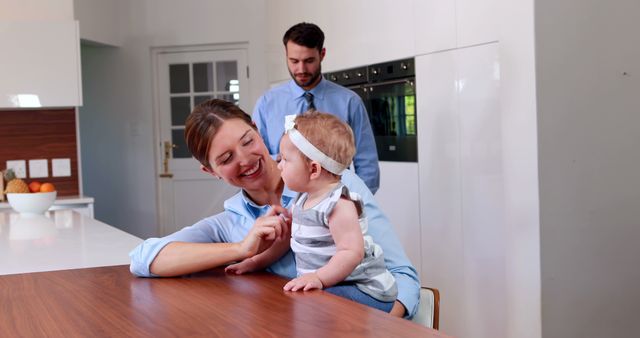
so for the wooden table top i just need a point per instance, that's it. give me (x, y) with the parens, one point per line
(109, 301)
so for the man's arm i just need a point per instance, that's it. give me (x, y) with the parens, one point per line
(365, 161)
(260, 119)
(383, 234)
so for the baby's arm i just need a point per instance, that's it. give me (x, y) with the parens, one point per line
(346, 233)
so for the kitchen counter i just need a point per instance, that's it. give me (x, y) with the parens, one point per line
(82, 204)
(58, 240)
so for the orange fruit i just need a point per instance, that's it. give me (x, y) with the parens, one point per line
(47, 187)
(34, 186)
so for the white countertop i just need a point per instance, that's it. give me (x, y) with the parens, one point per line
(60, 201)
(60, 240)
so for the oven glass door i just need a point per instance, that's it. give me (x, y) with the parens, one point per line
(392, 113)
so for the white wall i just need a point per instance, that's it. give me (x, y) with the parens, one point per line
(357, 32)
(588, 118)
(116, 122)
(100, 20)
(36, 10)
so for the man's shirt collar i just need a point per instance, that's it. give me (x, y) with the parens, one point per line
(298, 91)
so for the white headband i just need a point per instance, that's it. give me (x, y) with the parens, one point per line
(309, 149)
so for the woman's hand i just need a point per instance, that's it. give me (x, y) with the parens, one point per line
(274, 225)
(306, 282)
(247, 265)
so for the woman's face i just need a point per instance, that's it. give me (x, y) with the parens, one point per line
(293, 165)
(238, 155)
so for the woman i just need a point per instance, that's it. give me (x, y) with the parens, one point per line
(226, 143)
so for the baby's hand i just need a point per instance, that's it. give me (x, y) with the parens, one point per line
(306, 282)
(247, 265)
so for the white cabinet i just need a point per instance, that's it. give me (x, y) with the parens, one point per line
(444, 25)
(398, 197)
(464, 249)
(440, 184)
(40, 64)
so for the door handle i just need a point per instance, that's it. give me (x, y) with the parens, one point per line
(168, 146)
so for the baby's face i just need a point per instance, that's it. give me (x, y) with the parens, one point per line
(293, 165)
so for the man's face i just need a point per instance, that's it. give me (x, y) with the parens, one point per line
(304, 64)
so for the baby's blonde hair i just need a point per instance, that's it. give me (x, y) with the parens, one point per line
(329, 134)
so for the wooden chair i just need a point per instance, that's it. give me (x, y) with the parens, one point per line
(429, 308)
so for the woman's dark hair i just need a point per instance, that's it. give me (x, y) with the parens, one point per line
(305, 34)
(204, 122)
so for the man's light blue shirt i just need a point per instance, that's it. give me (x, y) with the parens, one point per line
(328, 97)
(234, 223)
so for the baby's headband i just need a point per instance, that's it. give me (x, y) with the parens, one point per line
(309, 149)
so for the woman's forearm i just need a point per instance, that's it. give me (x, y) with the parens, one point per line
(180, 258)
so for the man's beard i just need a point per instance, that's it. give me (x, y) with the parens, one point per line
(312, 79)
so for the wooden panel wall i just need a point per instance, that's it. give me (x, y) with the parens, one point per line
(41, 134)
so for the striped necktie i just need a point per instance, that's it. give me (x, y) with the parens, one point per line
(309, 97)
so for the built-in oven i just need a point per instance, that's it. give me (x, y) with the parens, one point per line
(388, 92)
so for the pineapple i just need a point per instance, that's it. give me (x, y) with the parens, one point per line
(14, 184)
(9, 174)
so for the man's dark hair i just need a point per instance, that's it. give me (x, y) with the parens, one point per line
(305, 34)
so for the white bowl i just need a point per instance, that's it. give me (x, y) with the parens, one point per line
(31, 203)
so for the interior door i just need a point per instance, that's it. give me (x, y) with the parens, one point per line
(184, 79)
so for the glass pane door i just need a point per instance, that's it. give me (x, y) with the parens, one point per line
(185, 79)
(193, 83)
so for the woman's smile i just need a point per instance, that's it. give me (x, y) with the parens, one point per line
(253, 170)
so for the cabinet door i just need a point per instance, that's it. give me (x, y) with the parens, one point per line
(40, 64)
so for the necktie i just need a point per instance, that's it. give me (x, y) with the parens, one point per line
(309, 97)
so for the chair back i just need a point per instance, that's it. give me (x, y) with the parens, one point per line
(429, 308)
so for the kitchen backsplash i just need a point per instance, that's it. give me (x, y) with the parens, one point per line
(43, 134)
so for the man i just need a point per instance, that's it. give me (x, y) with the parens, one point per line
(309, 90)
